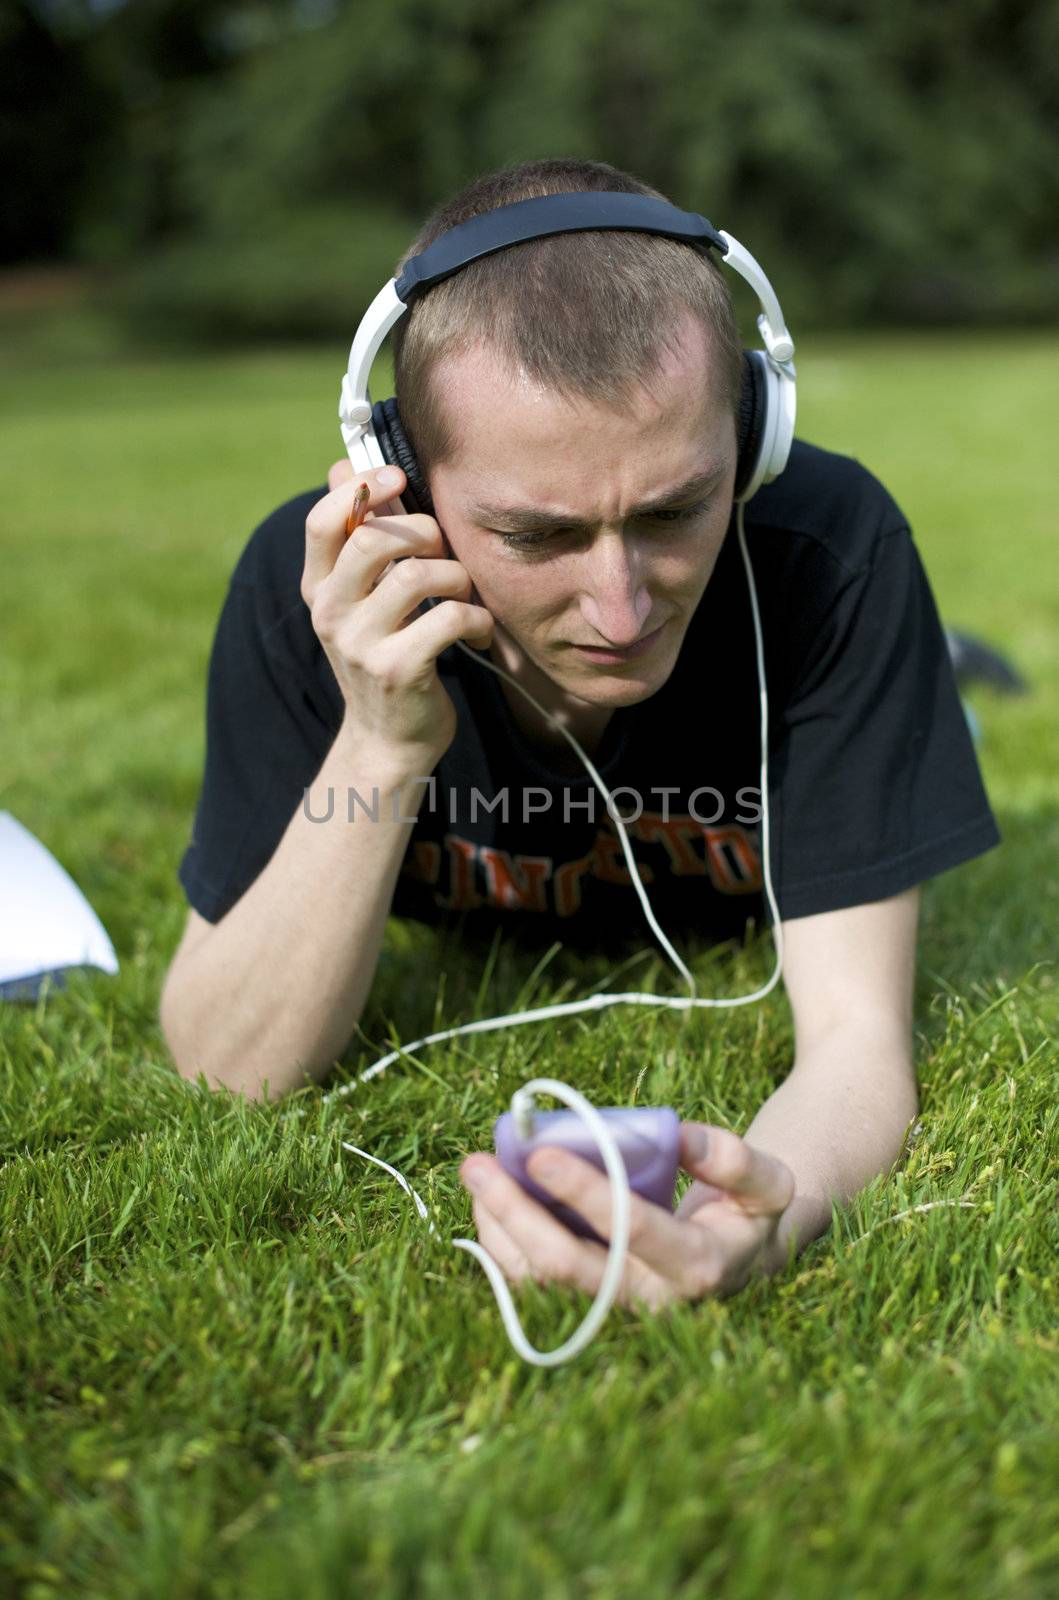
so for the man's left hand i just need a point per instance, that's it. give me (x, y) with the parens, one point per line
(712, 1244)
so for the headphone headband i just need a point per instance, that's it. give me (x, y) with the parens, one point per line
(547, 215)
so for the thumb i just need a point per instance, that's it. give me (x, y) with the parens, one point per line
(760, 1181)
(340, 472)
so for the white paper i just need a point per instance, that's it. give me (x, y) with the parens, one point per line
(46, 923)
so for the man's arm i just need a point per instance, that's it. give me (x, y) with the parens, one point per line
(272, 992)
(837, 1120)
(841, 1115)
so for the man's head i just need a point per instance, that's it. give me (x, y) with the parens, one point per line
(589, 383)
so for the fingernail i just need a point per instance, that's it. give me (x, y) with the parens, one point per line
(388, 477)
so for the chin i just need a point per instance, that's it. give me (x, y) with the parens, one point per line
(615, 692)
(619, 686)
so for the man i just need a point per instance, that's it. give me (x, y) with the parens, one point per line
(572, 403)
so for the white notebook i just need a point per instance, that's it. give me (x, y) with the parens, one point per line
(46, 924)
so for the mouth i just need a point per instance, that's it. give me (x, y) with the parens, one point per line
(610, 656)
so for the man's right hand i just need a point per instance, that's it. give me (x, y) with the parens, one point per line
(362, 593)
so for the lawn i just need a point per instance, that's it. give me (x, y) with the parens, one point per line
(235, 1364)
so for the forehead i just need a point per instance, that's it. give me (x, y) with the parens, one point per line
(512, 435)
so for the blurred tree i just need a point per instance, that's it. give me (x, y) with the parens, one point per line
(888, 162)
(51, 114)
(155, 55)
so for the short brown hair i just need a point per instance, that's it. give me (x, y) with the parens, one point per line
(585, 314)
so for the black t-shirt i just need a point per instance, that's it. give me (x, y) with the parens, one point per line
(873, 780)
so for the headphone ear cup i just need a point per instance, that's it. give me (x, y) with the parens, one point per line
(750, 421)
(396, 449)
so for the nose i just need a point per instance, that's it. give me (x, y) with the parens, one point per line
(615, 601)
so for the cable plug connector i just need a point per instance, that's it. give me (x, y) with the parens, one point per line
(523, 1107)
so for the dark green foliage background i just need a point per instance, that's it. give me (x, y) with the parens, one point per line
(238, 170)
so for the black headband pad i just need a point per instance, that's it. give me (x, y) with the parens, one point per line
(551, 214)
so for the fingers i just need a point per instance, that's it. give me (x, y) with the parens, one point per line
(656, 1237)
(414, 650)
(408, 583)
(375, 636)
(550, 1251)
(713, 1251)
(325, 526)
(699, 1194)
(339, 472)
(367, 553)
(526, 1241)
(763, 1183)
(504, 1251)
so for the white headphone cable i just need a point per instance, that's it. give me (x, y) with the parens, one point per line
(612, 1161)
(599, 1002)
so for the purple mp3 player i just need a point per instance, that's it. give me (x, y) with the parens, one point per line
(648, 1138)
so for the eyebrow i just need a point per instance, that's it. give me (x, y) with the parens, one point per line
(526, 519)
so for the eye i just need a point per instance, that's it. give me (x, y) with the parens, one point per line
(679, 513)
(537, 541)
(528, 541)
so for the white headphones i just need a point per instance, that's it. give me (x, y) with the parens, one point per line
(374, 434)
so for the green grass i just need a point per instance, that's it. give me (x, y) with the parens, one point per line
(234, 1363)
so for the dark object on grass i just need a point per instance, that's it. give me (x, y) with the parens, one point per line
(975, 662)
